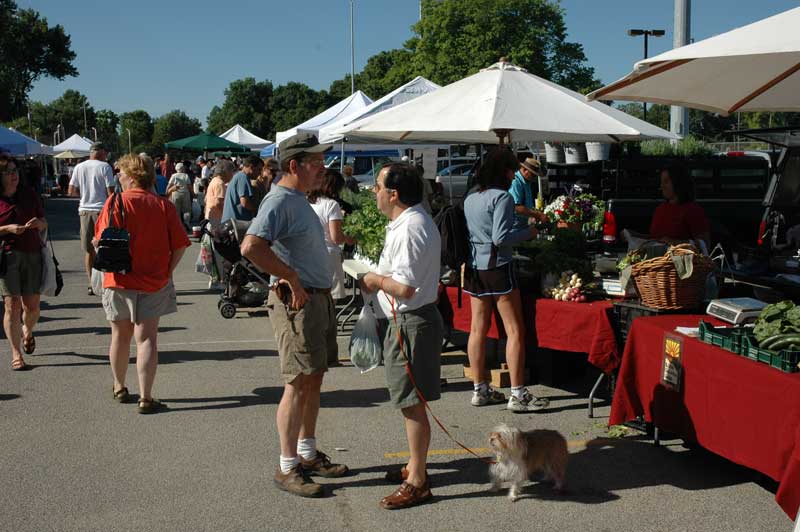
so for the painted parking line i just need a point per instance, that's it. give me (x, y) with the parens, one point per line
(485, 450)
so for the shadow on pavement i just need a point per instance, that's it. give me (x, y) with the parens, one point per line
(99, 331)
(47, 306)
(8, 396)
(166, 357)
(594, 475)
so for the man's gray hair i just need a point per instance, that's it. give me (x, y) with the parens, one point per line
(224, 167)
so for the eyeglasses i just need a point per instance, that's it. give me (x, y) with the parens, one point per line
(377, 188)
(314, 163)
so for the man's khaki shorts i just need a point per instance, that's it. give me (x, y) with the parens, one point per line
(305, 336)
(88, 221)
(136, 306)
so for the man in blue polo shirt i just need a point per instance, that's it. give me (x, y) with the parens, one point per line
(286, 240)
(239, 203)
(523, 192)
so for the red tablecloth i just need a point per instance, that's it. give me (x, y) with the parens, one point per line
(740, 409)
(577, 327)
(580, 328)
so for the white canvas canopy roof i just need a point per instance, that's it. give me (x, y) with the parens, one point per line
(752, 68)
(240, 135)
(15, 143)
(75, 143)
(341, 111)
(502, 100)
(411, 90)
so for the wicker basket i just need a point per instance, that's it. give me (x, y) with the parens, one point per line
(659, 285)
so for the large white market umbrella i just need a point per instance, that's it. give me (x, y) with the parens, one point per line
(240, 135)
(502, 101)
(752, 68)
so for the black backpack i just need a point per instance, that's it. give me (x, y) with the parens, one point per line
(452, 225)
(113, 249)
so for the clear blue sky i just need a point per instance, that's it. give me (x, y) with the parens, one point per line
(182, 54)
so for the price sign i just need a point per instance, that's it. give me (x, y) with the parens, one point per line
(672, 368)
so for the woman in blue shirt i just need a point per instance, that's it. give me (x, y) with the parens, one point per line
(489, 280)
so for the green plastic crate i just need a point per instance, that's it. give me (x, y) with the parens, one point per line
(784, 360)
(729, 338)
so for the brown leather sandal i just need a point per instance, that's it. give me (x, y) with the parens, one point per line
(18, 364)
(29, 345)
(406, 496)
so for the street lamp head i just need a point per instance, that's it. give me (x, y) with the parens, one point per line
(635, 33)
(657, 33)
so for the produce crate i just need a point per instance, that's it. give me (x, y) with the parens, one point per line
(626, 311)
(784, 360)
(730, 338)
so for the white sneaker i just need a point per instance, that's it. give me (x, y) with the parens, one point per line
(491, 397)
(528, 403)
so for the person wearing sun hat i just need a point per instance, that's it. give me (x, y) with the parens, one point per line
(523, 192)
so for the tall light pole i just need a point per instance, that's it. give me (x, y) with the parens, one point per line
(130, 146)
(85, 124)
(352, 52)
(30, 123)
(95, 133)
(679, 116)
(646, 33)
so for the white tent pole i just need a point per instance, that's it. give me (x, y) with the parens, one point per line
(450, 174)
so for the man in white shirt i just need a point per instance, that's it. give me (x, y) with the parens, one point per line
(407, 286)
(92, 181)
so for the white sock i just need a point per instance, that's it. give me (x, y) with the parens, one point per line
(482, 387)
(518, 391)
(287, 464)
(307, 448)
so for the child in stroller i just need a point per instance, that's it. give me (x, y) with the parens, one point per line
(245, 285)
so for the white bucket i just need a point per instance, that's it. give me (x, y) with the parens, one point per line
(554, 153)
(598, 151)
(575, 153)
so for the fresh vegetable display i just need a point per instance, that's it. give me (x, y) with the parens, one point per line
(367, 225)
(570, 288)
(778, 327)
(630, 259)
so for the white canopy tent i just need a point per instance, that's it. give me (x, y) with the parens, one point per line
(76, 144)
(15, 143)
(240, 135)
(350, 106)
(752, 68)
(502, 101)
(411, 90)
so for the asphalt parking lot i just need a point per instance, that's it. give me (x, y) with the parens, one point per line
(73, 459)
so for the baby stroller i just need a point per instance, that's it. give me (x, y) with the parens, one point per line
(245, 285)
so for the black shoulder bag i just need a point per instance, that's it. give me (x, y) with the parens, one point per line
(113, 249)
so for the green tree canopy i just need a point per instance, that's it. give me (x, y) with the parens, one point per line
(247, 102)
(68, 111)
(107, 124)
(294, 103)
(457, 38)
(29, 49)
(141, 130)
(174, 125)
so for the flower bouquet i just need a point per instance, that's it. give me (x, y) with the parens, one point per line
(575, 211)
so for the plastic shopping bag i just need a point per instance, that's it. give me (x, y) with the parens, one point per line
(205, 258)
(97, 282)
(366, 348)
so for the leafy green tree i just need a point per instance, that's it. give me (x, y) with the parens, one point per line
(457, 38)
(657, 114)
(140, 126)
(247, 102)
(68, 110)
(294, 103)
(174, 125)
(29, 49)
(107, 124)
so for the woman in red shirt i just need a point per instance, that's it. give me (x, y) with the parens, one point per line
(21, 219)
(135, 301)
(680, 217)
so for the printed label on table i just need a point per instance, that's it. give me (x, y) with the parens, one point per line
(672, 369)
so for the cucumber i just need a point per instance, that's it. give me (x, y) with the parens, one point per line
(784, 342)
(767, 342)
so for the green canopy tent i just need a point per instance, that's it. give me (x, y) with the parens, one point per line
(205, 142)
